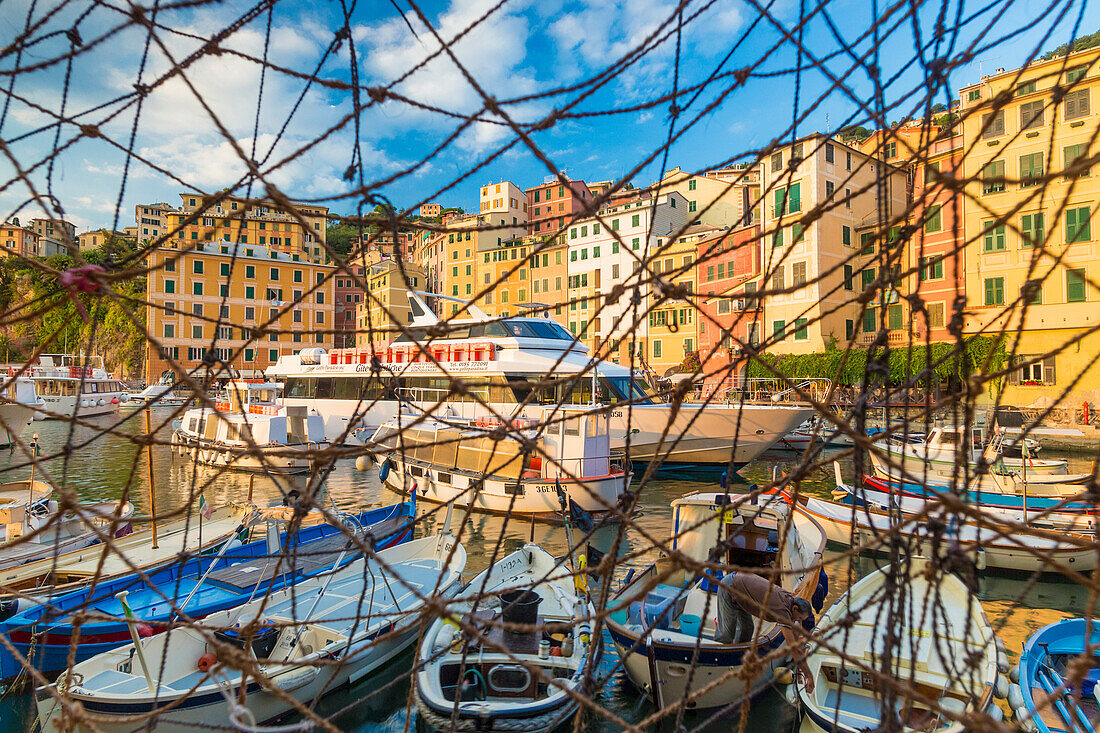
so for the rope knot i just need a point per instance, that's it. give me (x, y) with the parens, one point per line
(377, 94)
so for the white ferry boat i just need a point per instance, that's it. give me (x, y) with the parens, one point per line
(75, 385)
(515, 366)
(251, 432)
(19, 405)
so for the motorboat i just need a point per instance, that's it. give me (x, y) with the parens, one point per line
(512, 367)
(251, 431)
(926, 625)
(33, 530)
(33, 582)
(199, 586)
(478, 672)
(948, 448)
(815, 431)
(663, 621)
(19, 405)
(486, 464)
(166, 392)
(299, 643)
(938, 531)
(75, 385)
(991, 477)
(1054, 687)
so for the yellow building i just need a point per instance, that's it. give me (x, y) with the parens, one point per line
(236, 220)
(723, 198)
(18, 241)
(673, 323)
(241, 303)
(1032, 257)
(385, 310)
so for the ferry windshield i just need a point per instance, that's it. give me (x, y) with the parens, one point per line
(643, 393)
(508, 328)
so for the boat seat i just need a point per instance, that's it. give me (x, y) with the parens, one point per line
(858, 709)
(115, 681)
(185, 683)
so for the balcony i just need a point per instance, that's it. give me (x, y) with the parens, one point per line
(893, 337)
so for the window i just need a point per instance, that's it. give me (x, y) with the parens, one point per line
(1031, 169)
(710, 272)
(672, 202)
(250, 292)
(1076, 104)
(196, 267)
(830, 151)
(973, 95)
(994, 237)
(990, 171)
(930, 171)
(848, 285)
(778, 327)
(798, 273)
(993, 124)
(1076, 74)
(1075, 286)
(691, 184)
(196, 331)
(779, 278)
(1031, 114)
(935, 315)
(867, 276)
(272, 355)
(274, 273)
(691, 206)
(1075, 152)
(297, 276)
(196, 288)
(867, 243)
(894, 317)
(614, 225)
(1025, 88)
(777, 162)
(994, 291)
(635, 243)
(890, 150)
(849, 329)
(657, 349)
(777, 238)
(848, 159)
(801, 333)
(636, 220)
(169, 286)
(932, 220)
(595, 252)
(169, 330)
(846, 235)
(249, 313)
(249, 271)
(847, 198)
(931, 268)
(169, 265)
(615, 272)
(797, 232)
(870, 320)
(1077, 225)
(1031, 229)
(829, 188)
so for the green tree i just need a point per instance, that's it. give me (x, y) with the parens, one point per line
(1092, 40)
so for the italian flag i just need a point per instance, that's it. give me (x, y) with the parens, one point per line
(205, 509)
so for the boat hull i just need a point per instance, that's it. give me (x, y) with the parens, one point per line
(14, 418)
(258, 460)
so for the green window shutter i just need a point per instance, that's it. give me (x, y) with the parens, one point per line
(801, 334)
(846, 235)
(868, 276)
(894, 317)
(710, 272)
(777, 238)
(1072, 153)
(994, 238)
(778, 327)
(932, 221)
(848, 285)
(1075, 286)
(994, 291)
(867, 243)
(795, 197)
(1031, 227)
(870, 321)
(780, 201)
(1077, 225)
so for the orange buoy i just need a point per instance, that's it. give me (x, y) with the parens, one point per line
(207, 662)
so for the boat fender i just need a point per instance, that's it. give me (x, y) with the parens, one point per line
(1014, 673)
(822, 590)
(206, 662)
(996, 714)
(8, 608)
(783, 676)
(296, 678)
(384, 470)
(363, 463)
(1000, 689)
(791, 695)
(1015, 696)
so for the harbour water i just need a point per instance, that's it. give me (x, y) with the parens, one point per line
(103, 462)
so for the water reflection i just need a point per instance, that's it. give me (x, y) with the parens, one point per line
(104, 462)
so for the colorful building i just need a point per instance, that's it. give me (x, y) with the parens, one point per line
(554, 204)
(726, 201)
(151, 220)
(18, 241)
(383, 313)
(1032, 257)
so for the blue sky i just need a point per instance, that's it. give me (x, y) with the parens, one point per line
(521, 53)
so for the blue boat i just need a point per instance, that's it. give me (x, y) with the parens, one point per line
(1041, 697)
(879, 490)
(46, 635)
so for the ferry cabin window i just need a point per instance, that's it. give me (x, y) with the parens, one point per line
(339, 388)
(618, 388)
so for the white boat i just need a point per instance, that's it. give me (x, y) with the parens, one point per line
(250, 431)
(36, 580)
(477, 675)
(515, 366)
(947, 449)
(939, 531)
(649, 616)
(944, 657)
(814, 431)
(19, 406)
(166, 392)
(476, 466)
(38, 529)
(306, 641)
(75, 385)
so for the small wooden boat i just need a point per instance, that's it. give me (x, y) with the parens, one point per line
(658, 624)
(1051, 512)
(477, 465)
(40, 530)
(1047, 695)
(990, 544)
(305, 641)
(33, 582)
(498, 679)
(250, 431)
(945, 659)
(226, 580)
(947, 448)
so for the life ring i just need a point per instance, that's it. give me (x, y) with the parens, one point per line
(384, 470)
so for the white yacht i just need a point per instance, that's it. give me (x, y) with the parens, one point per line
(19, 404)
(75, 385)
(516, 366)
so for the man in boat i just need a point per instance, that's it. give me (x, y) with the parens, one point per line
(744, 595)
